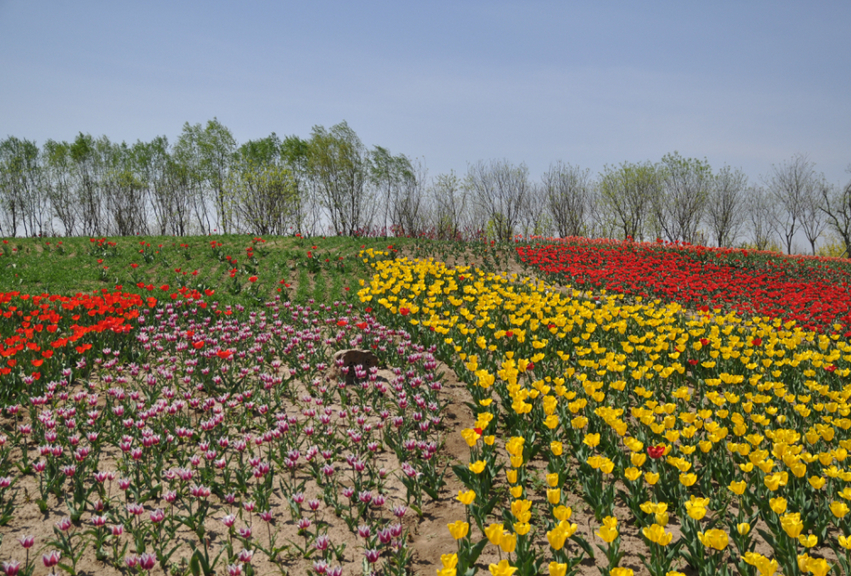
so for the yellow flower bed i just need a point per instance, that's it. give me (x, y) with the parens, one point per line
(715, 422)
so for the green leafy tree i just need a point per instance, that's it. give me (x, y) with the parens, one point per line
(58, 182)
(679, 207)
(339, 165)
(262, 189)
(627, 195)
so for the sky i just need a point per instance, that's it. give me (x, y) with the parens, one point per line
(746, 84)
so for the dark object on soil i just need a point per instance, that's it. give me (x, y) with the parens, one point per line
(351, 358)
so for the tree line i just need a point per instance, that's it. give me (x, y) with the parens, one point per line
(331, 183)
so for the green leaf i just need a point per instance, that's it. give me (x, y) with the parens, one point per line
(195, 564)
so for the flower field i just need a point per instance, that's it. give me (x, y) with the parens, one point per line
(258, 418)
(811, 291)
(731, 432)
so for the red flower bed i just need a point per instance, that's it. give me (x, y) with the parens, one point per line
(814, 292)
(42, 334)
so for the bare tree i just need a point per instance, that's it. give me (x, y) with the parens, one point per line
(836, 207)
(813, 221)
(762, 214)
(449, 206)
(725, 211)
(535, 219)
(21, 194)
(567, 190)
(500, 191)
(408, 212)
(792, 185)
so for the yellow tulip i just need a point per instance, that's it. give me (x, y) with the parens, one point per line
(591, 440)
(516, 491)
(522, 528)
(714, 538)
(489, 440)
(817, 482)
(661, 518)
(839, 509)
(471, 437)
(508, 542)
(845, 542)
(818, 566)
(688, 479)
(511, 475)
(502, 569)
(657, 535)
(458, 529)
(562, 513)
(552, 479)
(607, 534)
(791, 524)
(556, 538)
(553, 495)
(695, 511)
(632, 474)
(516, 461)
(808, 541)
(477, 467)
(494, 533)
(621, 571)
(778, 505)
(637, 459)
(557, 448)
(743, 528)
(651, 478)
(515, 445)
(738, 488)
(466, 498)
(557, 569)
(449, 560)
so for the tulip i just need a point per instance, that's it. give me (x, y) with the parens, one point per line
(466, 498)
(508, 542)
(459, 529)
(522, 528)
(656, 534)
(838, 509)
(553, 495)
(494, 533)
(791, 524)
(808, 541)
(502, 569)
(714, 538)
(778, 505)
(562, 513)
(738, 488)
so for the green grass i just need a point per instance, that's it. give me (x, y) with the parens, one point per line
(74, 265)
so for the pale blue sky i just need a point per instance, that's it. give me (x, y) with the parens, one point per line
(748, 84)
